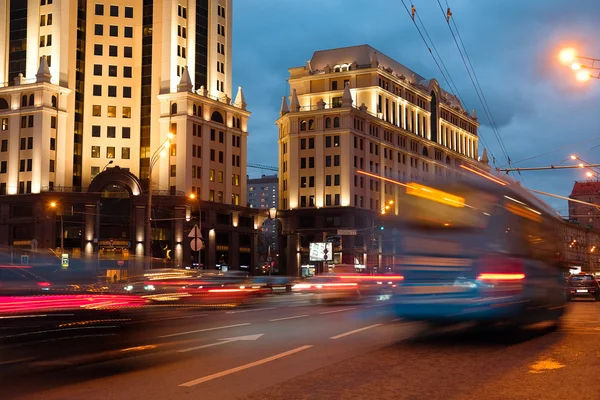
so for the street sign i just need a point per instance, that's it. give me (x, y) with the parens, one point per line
(120, 263)
(346, 232)
(65, 261)
(195, 232)
(24, 259)
(196, 244)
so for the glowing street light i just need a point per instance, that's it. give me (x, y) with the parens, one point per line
(567, 56)
(583, 75)
(54, 205)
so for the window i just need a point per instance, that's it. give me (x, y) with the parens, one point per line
(97, 70)
(53, 122)
(127, 72)
(112, 70)
(327, 141)
(95, 171)
(113, 31)
(51, 165)
(99, 9)
(110, 152)
(23, 122)
(336, 160)
(23, 143)
(126, 113)
(42, 41)
(113, 51)
(211, 175)
(220, 176)
(95, 130)
(128, 32)
(303, 162)
(4, 146)
(173, 171)
(127, 92)
(114, 11)
(126, 132)
(3, 166)
(327, 180)
(21, 165)
(336, 141)
(212, 154)
(95, 151)
(98, 29)
(112, 112)
(112, 91)
(30, 121)
(311, 162)
(96, 110)
(128, 52)
(336, 122)
(221, 155)
(328, 161)
(4, 124)
(302, 144)
(52, 144)
(128, 12)
(336, 180)
(97, 89)
(98, 50)
(111, 132)
(29, 143)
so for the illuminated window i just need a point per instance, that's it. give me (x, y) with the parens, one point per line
(110, 152)
(212, 175)
(126, 112)
(95, 151)
(112, 112)
(94, 172)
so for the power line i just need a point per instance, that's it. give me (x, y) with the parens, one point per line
(437, 63)
(477, 87)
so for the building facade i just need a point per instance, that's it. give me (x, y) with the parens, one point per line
(356, 122)
(263, 192)
(86, 87)
(585, 215)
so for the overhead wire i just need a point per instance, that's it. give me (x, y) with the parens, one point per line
(453, 88)
(474, 80)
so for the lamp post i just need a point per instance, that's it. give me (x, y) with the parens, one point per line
(387, 206)
(585, 68)
(62, 231)
(193, 197)
(157, 155)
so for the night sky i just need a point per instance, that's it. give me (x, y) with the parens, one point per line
(542, 114)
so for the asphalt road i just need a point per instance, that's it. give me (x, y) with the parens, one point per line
(289, 349)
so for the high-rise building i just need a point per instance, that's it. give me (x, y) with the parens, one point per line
(262, 192)
(96, 97)
(85, 84)
(356, 122)
(356, 109)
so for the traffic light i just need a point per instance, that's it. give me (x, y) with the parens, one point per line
(381, 226)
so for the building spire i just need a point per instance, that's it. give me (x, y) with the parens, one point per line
(295, 104)
(43, 74)
(347, 96)
(240, 101)
(484, 158)
(185, 83)
(284, 107)
(474, 115)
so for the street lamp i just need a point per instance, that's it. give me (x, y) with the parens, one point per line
(157, 155)
(387, 206)
(585, 67)
(54, 205)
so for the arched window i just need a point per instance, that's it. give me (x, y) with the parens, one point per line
(194, 109)
(174, 108)
(311, 124)
(336, 122)
(425, 152)
(327, 122)
(303, 125)
(54, 102)
(337, 69)
(217, 117)
(31, 99)
(24, 101)
(3, 104)
(199, 111)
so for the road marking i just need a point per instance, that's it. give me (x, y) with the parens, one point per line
(203, 330)
(283, 319)
(397, 319)
(256, 309)
(354, 331)
(340, 310)
(245, 366)
(223, 341)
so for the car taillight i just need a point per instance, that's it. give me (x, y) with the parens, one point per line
(43, 284)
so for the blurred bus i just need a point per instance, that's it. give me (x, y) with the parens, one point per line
(479, 249)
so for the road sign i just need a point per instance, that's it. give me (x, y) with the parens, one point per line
(346, 232)
(195, 232)
(196, 244)
(65, 261)
(24, 259)
(120, 263)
